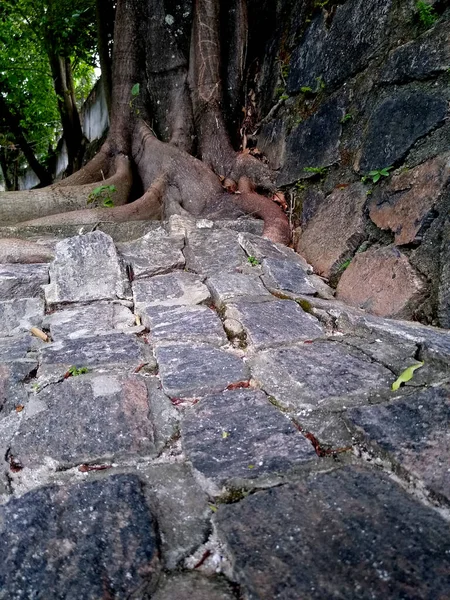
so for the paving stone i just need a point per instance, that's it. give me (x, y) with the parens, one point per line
(22, 281)
(237, 437)
(189, 586)
(286, 276)
(87, 418)
(414, 431)
(229, 287)
(208, 252)
(181, 508)
(396, 355)
(311, 143)
(323, 374)
(185, 323)
(91, 540)
(85, 268)
(175, 289)
(422, 58)
(383, 282)
(87, 320)
(335, 53)
(13, 348)
(397, 123)
(351, 534)
(12, 375)
(335, 231)
(18, 316)
(274, 323)
(261, 248)
(153, 254)
(407, 203)
(109, 349)
(198, 369)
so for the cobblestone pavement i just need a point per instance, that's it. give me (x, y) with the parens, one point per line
(204, 422)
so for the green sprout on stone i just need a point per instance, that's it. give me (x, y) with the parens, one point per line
(346, 117)
(427, 14)
(315, 170)
(253, 261)
(104, 193)
(344, 265)
(74, 372)
(376, 174)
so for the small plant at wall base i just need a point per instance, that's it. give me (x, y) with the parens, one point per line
(104, 193)
(253, 261)
(315, 170)
(427, 14)
(376, 175)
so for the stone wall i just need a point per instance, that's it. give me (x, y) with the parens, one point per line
(361, 86)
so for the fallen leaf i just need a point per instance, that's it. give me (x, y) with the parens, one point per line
(19, 408)
(407, 375)
(238, 385)
(87, 468)
(39, 334)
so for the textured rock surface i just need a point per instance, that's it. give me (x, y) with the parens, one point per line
(209, 252)
(174, 289)
(383, 282)
(22, 281)
(19, 316)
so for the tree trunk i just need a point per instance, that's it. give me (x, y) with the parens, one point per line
(104, 12)
(172, 121)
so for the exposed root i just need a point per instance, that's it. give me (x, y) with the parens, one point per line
(15, 250)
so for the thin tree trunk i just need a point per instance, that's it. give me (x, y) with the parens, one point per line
(103, 8)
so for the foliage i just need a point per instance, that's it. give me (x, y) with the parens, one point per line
(315, 170)
(406, 376)
(376, 174)
(253, 261)
(344, 265)
(426, 13)
(74, 372)
(346, 117)
(104, 193)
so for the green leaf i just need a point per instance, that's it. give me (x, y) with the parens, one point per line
(135, 89)
(213, 508)
(108, 203)
(407, 375)
(376, 177)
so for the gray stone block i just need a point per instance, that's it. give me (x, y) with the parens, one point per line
(18, 316)
(22, 281)
(13, 348)
(229, 287)
(276, 323)
(193, 586)
(261, 248)
(286, 276)
(350, 534)
(323, 374)
(197, 370)
(85, 268)
(184, 323)
(153, 254)
(237, 438)
(91, 540)
(12, 392)
(208, 252)
(87, 418)
(414, 432)
(174, 289)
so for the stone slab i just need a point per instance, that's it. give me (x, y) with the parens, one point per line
(199, 369)
(22, 281)
(351, 534)
(185, 324)
(414, 431)
(335, 231)
(261, 248)
(383, 282)
(18, 316)
(91, 540)
(12, 392)
(87, 418)
(286, 276)
(109, 349)
(237, 437)
(153, 254)
(190, 586)
(397, 123)
(229, 287)
(276, 323)
(208, 252)
(90, 319)
(15, 347)
(174, 289)
(85, 268)
(180, 506)
(322, 374)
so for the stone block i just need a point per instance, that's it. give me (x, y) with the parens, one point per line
(22, 281)
(335, 231)
(189, 586)
(280, 274)
(199, 369)
(229, 287)
(406, 204)
(208, 252)
(91, 540)
(323, 374)
(18, 316)
(12, 375)
(397, 123)
(152, 254)
(237, 437)
(351, 533)
(185, 323)
(383, 282)
(261, 248)
(88, 320)
(312, 143)
(276, 323)
(85, 268)
(15, 347)
(174, 289)
(413, 431)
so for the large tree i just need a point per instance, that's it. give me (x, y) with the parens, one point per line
(181, 75)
